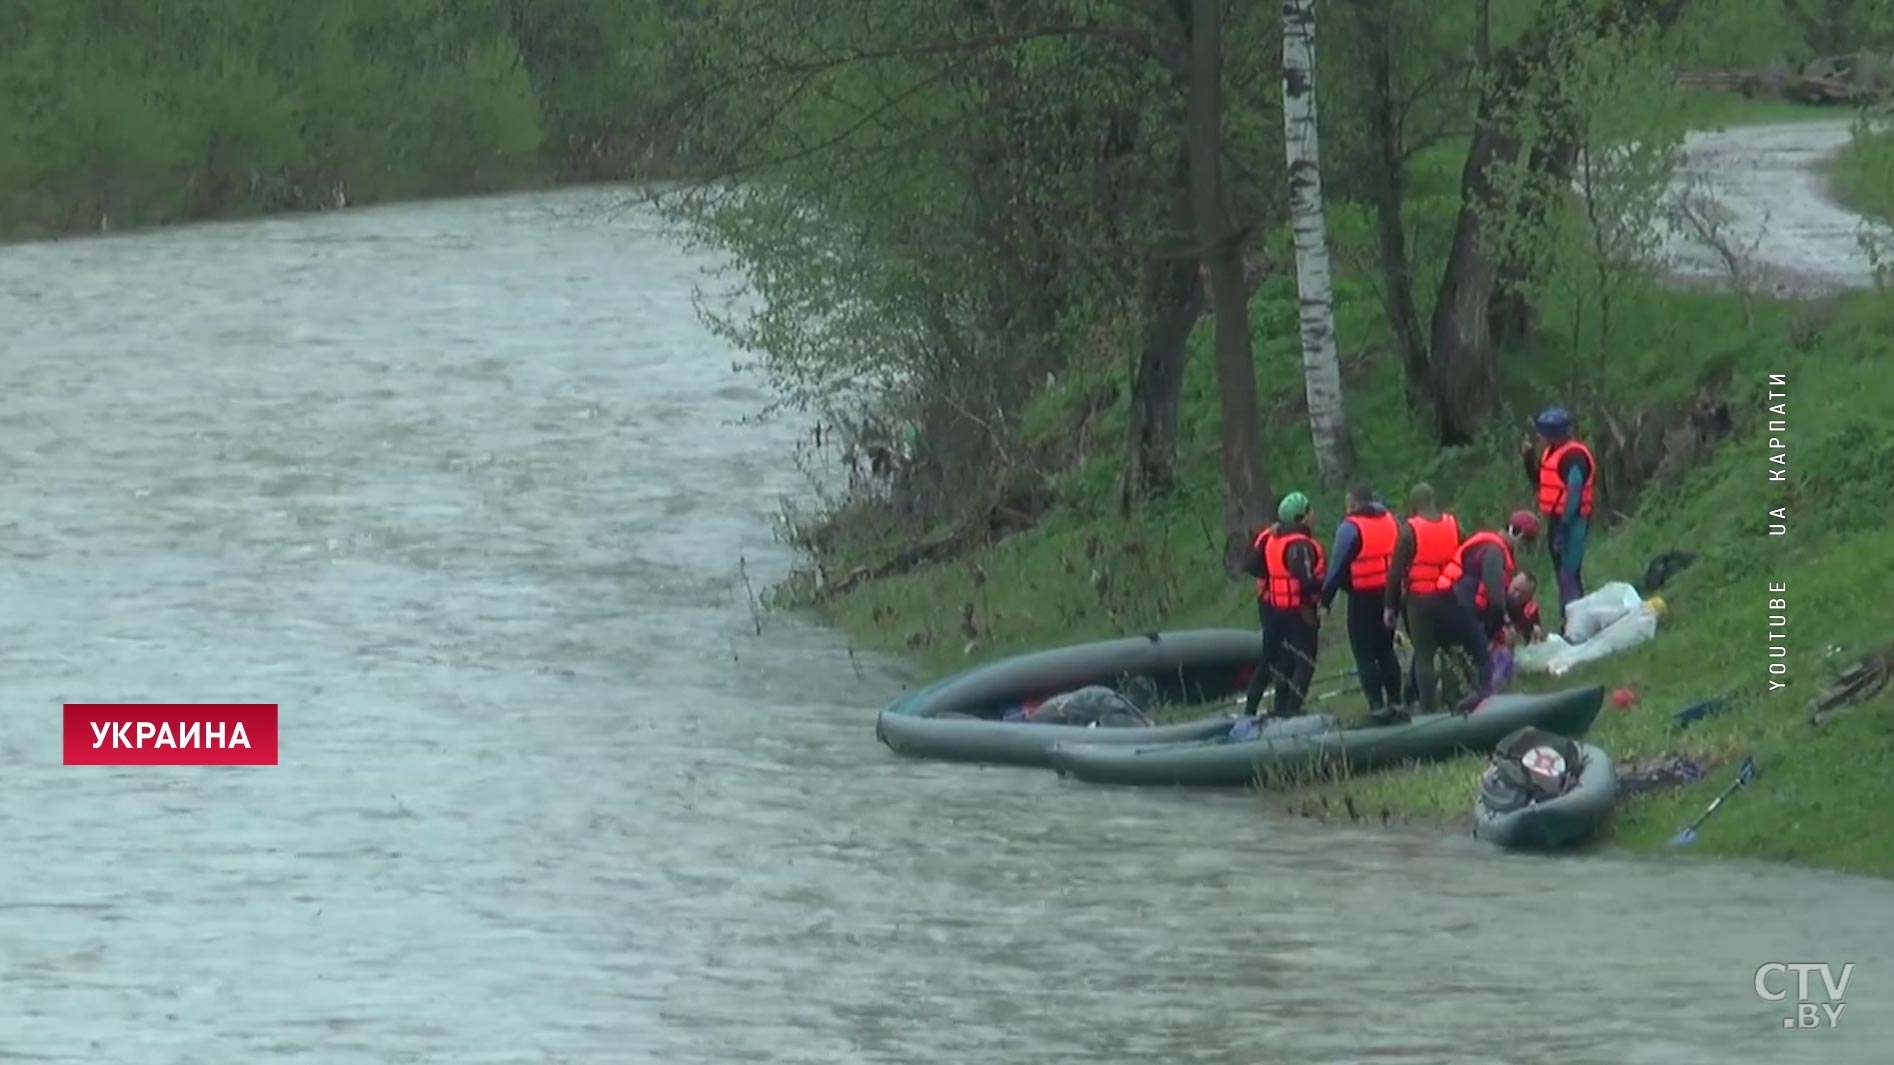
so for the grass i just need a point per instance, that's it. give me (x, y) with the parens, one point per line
(1862, 175)
(1086, 572)
(1715, 109)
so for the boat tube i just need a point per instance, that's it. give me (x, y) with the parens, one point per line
(1274, 760)
(1544, 792)
(983, 714)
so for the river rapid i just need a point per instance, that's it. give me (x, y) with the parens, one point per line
(458, 485)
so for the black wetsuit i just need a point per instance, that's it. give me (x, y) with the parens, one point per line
(1376, 662)
(1290, 635)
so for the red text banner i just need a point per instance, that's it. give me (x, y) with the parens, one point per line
(127, 734)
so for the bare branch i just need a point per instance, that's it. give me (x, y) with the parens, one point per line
(1138, 41)
(1698, 213)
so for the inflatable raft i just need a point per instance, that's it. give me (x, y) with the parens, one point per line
(965, 717)
(1555, 822)
(1275, 759)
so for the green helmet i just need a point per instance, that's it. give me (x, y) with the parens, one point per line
(1295, 507)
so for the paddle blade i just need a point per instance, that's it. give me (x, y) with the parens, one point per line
(1748, 772)
(1688, 835)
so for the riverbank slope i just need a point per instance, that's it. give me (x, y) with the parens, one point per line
(1086, 571)
(1861, 175)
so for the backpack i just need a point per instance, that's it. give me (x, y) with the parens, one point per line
(1529, 765)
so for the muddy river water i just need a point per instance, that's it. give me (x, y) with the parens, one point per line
(458, 486)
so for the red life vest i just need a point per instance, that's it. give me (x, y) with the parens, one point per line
(1280, 589)
(1454, 570)
(1262, 583)
(1552, 491)
(1435, 541)
(1369, 570)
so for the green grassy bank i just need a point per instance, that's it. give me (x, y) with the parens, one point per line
(1087, 572)
(1862, 176)
(114, 116)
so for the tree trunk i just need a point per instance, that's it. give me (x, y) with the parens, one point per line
(1512, 318)
(1173, 303)
(1245, 491)
(1466, 371)
(1388, 185)
(1321, 361)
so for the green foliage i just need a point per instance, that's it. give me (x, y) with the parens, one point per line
(937, 212)
(1718, 34)
(1431, 70)
(1862, 177)
(114, 115)
(1619, 110)
(1827, 28)
(1863, 174)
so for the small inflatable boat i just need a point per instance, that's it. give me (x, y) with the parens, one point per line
(1000, 712)
(1325, 747)
(1544, 792)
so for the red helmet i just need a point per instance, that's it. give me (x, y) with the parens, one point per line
(1524, 524)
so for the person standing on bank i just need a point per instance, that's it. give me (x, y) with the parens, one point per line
(1360, 558)
(1287, 564)
(1563, 472)
(1477, 585)
(1425, 543)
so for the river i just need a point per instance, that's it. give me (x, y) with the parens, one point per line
(458, 485)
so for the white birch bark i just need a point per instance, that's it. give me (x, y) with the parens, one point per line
(1321, 362)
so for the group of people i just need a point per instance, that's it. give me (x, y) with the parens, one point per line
(1461, 594)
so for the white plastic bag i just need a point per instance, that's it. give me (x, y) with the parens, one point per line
(1538, 657)
(1634, 628)
(1587, 617)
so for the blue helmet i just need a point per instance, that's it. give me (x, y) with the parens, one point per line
(1554, 422)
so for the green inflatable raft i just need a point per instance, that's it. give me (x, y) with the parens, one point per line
(1288, 759)
(1515, 809)
(980, 715)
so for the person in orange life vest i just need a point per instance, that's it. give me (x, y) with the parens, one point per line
(1359, 560)
(1563, 472)
(1423, 546)
(1477, 583)
(1523, 624)
(1287, 564)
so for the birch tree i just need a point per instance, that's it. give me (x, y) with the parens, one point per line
(1321, 362)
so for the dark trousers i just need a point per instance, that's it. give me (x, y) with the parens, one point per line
(1571, 582)
(1563, 551)
(1289, 643)
(1442, 622)
(1423, 676)
(1373, 643)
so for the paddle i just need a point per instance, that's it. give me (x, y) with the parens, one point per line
(1743, 776)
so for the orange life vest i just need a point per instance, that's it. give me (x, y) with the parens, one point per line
(1262, 583)
(1454, 570)
(1435, 541)
(1281, 590)
(1552, 485)
(1368, 572)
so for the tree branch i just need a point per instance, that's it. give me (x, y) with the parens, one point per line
(850, 130)
(1138, 41)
